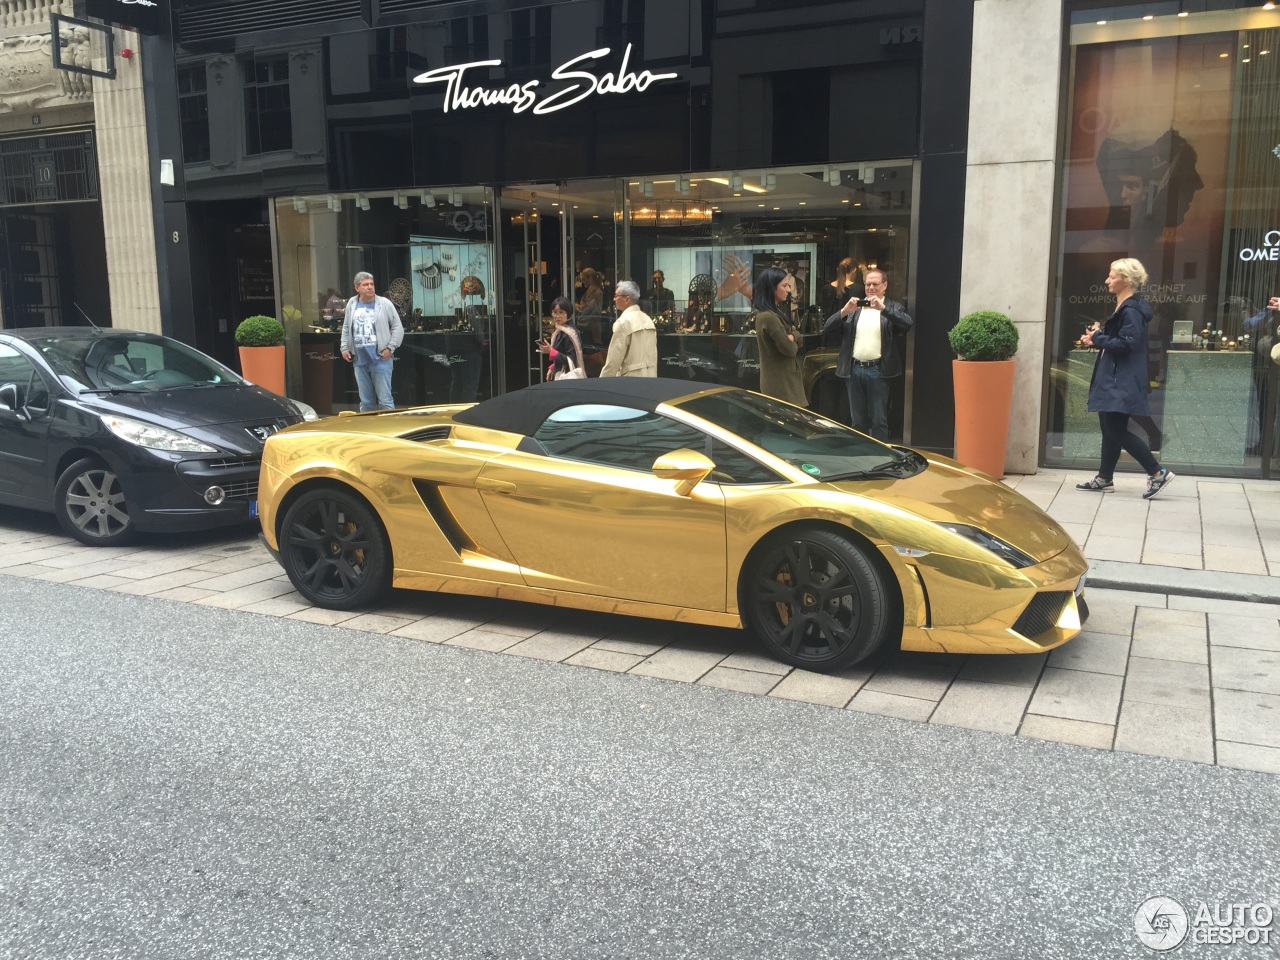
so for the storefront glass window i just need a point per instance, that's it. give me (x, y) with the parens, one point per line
(697, 243)
(1172, 159)
(476, 291)
(430, 253)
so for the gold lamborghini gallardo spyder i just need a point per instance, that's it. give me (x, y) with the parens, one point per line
(658, 498)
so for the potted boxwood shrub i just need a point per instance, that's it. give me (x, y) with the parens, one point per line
(984, 342)
(261, 343)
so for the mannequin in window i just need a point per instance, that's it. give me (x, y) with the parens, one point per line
(590, 307)
(699, 316)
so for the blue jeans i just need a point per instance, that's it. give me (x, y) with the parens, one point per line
(374, 381)
(868, 401)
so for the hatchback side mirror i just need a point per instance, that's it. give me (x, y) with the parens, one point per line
(688, 467)
(9, 399)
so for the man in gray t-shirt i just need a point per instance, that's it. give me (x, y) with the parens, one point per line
(371, 332)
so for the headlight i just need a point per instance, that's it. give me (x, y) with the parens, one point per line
(152, 437)
(985, 540)
(304, 411)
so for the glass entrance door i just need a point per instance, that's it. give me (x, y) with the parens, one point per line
(558, 241)
(530, 264)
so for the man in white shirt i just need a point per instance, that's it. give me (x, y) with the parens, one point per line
(869, 355)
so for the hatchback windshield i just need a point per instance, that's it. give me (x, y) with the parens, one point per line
(821, 448)
(130, 362)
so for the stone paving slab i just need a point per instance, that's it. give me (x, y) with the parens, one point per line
(1165, 730)
(1093, 653)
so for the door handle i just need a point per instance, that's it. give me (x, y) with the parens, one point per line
(495, 486)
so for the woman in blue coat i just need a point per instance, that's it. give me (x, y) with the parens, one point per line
(1120, 381)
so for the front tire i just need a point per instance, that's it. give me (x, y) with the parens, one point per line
(335, 550)
(89, 503)
(815, 600)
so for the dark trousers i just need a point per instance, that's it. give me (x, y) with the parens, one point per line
(1116, 437)
(868, 401)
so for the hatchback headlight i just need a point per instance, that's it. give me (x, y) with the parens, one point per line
(1004, 551)
(153, 437)
(305, 411)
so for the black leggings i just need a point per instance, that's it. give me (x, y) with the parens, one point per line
(1116, 437)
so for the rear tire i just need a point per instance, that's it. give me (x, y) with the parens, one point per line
(816, 600)
(335, 550)
(89, 503)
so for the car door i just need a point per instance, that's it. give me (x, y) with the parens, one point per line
(24, 432)
(588, 515)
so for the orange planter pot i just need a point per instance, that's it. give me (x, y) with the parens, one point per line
(984, 395)
(263, 366)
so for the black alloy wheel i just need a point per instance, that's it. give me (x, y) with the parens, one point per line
(90, 505)
(335, 549)
(816, 601)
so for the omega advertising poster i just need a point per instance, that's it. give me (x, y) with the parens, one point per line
(1149, 143)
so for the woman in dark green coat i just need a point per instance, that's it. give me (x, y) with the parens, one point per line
(779, 366)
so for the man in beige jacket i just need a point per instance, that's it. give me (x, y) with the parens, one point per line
(633, 348)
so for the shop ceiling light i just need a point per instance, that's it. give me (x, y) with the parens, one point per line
(770, 181)
(428, 198)
(682, 184)
(646, 188)
(402, 201)
(299, 205)
(335, 204)
(362, 201)
(735, 181)
(868, 174)
(455, 198)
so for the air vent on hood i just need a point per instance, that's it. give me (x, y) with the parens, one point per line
(427, 434)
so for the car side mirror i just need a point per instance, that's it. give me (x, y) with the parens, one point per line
(9, 398)
(688, 467)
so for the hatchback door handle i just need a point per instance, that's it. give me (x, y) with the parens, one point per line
(496, 486)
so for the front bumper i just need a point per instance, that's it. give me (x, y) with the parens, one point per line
(169, 496)
(1027, 610)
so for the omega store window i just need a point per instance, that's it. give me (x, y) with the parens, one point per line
(1172, 159)
(473, 272)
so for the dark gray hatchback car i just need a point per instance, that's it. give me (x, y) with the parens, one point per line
(117, 431)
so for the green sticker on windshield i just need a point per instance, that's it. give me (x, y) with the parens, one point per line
(810, 469)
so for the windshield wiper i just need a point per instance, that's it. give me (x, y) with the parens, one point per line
(908, 464)
(124, 388)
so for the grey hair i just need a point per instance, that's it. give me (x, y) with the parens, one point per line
(629, 289)
(361, 277)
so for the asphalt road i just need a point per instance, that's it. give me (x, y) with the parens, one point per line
(188, 783)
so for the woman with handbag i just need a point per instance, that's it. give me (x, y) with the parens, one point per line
(779, 366)
(1121, 382)
(565, 348)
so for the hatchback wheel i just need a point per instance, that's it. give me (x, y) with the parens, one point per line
(816, 600)
(90, 505)
(335, 550)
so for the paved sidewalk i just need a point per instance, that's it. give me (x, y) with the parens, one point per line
(1180, 657)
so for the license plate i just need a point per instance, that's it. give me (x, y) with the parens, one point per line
(253, 508)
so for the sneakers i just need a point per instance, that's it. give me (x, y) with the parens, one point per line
(1158, 482)
(1098, 484)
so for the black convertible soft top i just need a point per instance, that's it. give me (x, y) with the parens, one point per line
(523, 411)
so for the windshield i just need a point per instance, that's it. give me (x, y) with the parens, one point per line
(820, 447)
(130, 362)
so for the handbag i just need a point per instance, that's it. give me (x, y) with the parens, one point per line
(574, 372)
